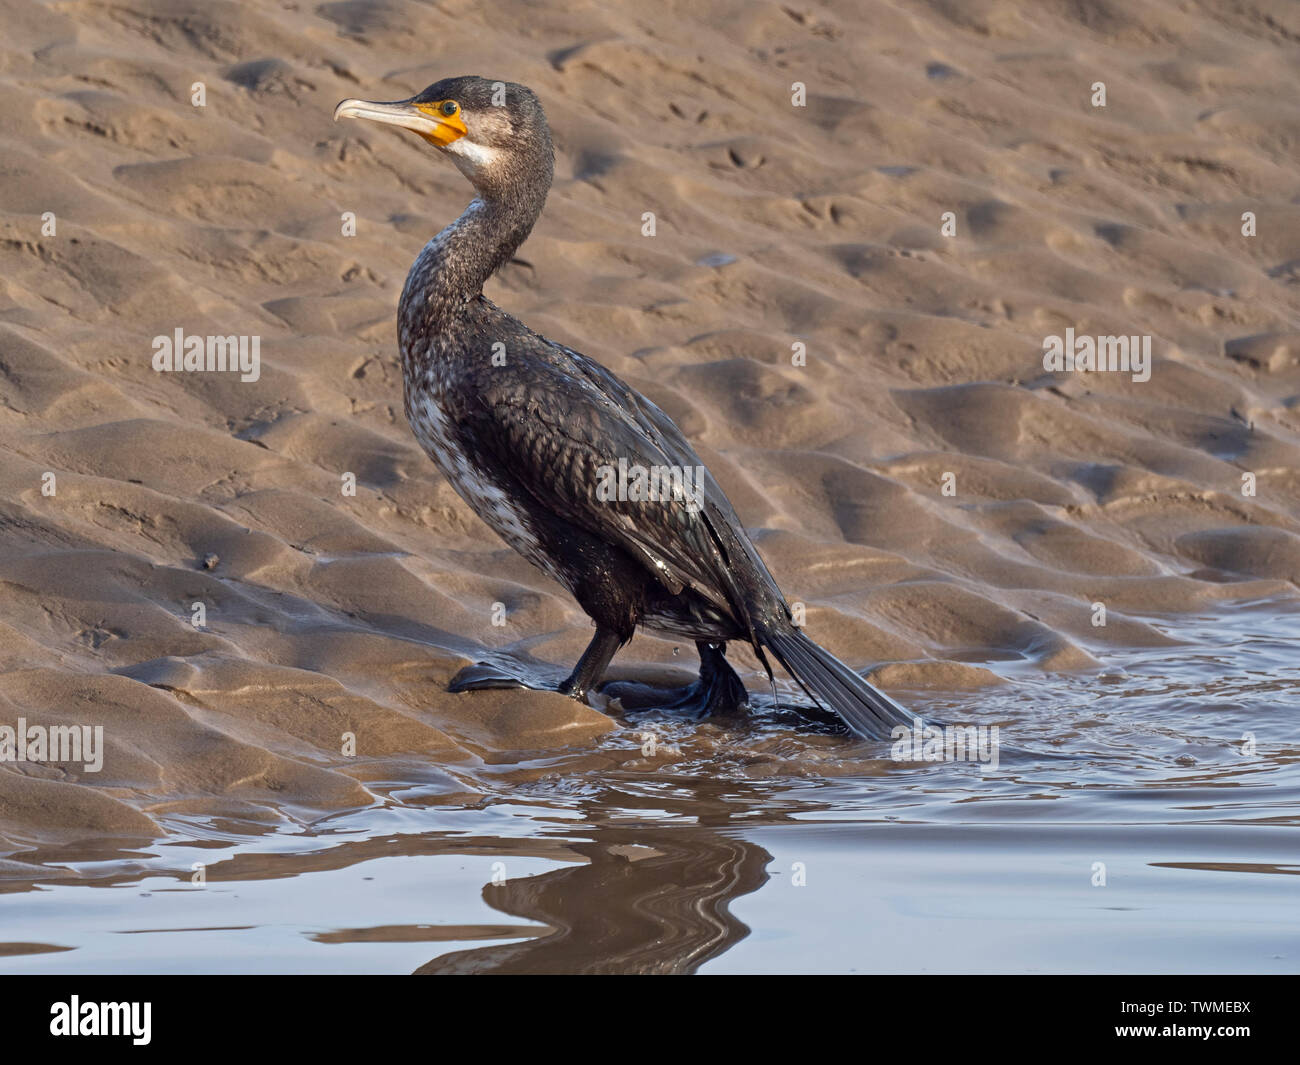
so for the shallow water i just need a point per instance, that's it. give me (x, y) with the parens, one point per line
(752, 847)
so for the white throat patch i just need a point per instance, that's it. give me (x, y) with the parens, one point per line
(470, 158)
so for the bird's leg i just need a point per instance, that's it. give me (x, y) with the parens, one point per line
(719, 687)
(592, 665)
(718, 691)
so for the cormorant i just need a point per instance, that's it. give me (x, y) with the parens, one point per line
(528, 437)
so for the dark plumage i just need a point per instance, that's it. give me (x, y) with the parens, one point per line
(523, 427)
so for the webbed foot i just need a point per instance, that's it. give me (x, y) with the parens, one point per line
(717, 691)
(488, 676)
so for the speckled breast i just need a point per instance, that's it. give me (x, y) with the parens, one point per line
(472, 478)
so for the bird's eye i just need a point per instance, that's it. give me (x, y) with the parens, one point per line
(449, 107)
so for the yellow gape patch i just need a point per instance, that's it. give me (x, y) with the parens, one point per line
(451, 126)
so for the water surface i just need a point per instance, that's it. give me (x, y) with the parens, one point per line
(755, 847)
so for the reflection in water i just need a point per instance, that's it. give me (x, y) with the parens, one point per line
(631, 909)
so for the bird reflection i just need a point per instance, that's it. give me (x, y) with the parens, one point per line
(645, 903)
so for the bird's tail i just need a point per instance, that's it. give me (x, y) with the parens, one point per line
(829, 682)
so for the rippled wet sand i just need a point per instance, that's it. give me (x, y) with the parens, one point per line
(688, 861)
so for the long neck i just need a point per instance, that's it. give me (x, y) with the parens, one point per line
(452, 268)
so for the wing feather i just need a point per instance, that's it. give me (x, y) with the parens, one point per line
(558, 429)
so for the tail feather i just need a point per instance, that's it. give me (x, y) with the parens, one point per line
(866, 710)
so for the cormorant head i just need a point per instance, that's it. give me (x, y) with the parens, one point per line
(494, 131)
